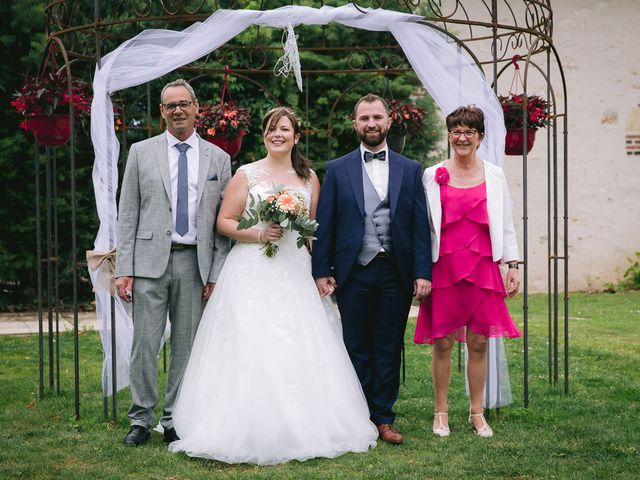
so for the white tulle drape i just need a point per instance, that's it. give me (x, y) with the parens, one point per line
(450, 78)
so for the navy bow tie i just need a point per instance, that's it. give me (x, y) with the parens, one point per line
(368, 156)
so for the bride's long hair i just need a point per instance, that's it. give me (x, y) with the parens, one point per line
(300, 163)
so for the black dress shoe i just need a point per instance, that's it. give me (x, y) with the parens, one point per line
(137, 436)
(170, 435)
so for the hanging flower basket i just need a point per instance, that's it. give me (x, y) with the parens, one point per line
(533, 108)
(513, 140)
(406, 119)
(54, 130)
(43, 102)
(224, 124)
(536, 117)
(231, 145)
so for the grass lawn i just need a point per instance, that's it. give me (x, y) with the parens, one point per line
(593, 433)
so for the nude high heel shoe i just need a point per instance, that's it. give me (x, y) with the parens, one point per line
(485, 430)
(440, 429)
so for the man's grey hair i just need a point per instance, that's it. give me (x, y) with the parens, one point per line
(179, 83)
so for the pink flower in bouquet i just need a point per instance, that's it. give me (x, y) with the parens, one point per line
(285, 207)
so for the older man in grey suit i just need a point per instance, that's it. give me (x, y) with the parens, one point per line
(168, 256)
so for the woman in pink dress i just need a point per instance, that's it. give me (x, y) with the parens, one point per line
(471, 234)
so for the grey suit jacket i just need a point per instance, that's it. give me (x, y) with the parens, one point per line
(144, 215)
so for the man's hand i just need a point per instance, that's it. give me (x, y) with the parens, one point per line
(208, 290)
(421, 289)
(513, 282)
(124, 287)
(326, 285)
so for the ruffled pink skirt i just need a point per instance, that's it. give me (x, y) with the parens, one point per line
(467, 286)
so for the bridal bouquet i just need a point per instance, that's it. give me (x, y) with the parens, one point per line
(284, 206)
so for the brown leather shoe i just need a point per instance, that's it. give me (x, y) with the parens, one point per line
(389, 434)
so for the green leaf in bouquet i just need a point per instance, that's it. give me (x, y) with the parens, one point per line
(270, 249)
(249, 217)
(306, 223)
(252, 200)
(247, 221)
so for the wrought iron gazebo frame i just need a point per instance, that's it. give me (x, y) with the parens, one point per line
(490, 43)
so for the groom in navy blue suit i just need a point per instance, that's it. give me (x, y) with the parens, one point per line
(373, 249)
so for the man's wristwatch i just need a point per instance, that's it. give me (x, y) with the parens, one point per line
(513, 265)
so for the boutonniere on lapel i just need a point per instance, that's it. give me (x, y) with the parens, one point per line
(442, 176)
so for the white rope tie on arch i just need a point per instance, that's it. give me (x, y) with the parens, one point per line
(450, 78)
(291, 59)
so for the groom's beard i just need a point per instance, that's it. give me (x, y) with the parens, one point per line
(373, 137)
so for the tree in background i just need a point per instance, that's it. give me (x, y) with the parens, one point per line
(23, 27)
(23, 40)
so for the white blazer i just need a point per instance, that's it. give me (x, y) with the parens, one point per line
(504, 245)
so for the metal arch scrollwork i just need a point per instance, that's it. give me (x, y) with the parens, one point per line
(143, 12)
(355, 60)
(170, 7)
(180, 7)
(363, 59)
(538, 17)
(448, 11)
(261, 57)
(516, 23)
(56, 17)
(410, 4)
(442, 15)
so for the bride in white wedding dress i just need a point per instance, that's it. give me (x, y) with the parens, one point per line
(269, 379)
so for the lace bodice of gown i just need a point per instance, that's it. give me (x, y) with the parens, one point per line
(261, 184)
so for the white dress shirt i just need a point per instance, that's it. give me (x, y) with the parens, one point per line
(193, 157)
(378, 171)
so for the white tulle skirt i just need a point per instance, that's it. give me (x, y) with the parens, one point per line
(269, 379)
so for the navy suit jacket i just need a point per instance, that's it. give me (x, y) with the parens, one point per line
(341, 218)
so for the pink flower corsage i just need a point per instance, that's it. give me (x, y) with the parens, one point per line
(442, 176)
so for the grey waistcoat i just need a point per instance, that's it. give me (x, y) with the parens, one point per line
(377, 225)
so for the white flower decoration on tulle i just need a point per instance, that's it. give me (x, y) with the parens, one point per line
(291, 59)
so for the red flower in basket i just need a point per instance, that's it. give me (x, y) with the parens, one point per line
(225, 119)
(48, 95)
(406, 117)
(536, 114)
(223, 124)
(537, 111)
